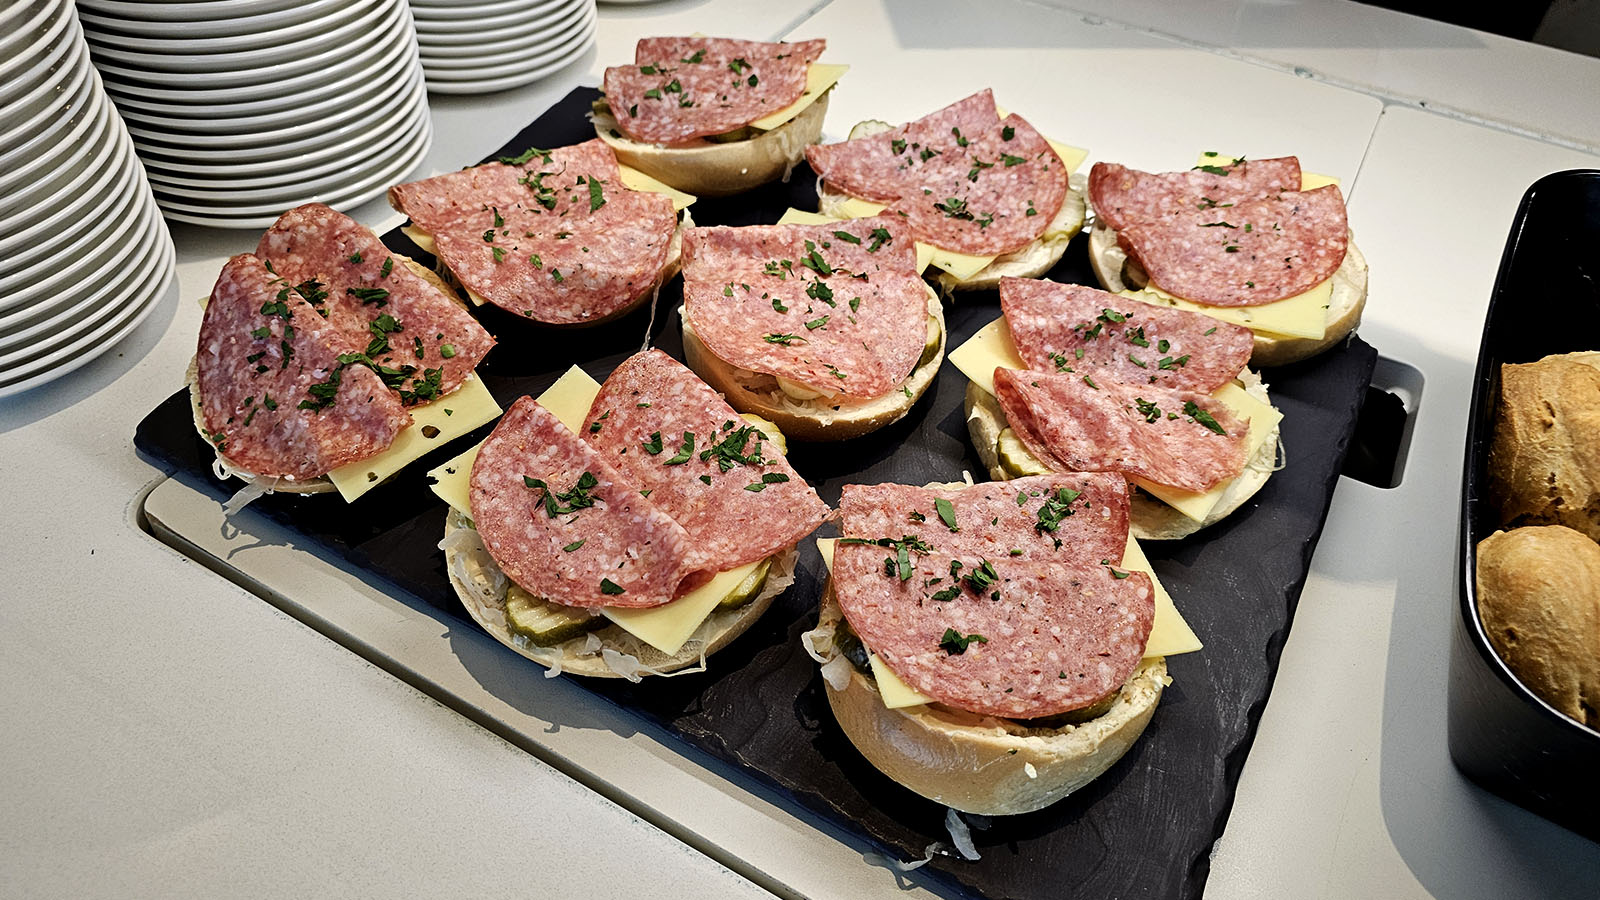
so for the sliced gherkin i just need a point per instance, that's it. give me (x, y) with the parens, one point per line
(749, 588)
(544, 623)
(1014, 456)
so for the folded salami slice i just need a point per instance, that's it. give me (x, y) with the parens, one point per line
(1121, 196)
(670, 434)
(555, 237)
(1025, 518)
(565, 525)
(275, 398)
(355, 282)
(1255, 252)
(1037, 634)
(964, 178)
(681, 88)
(838, 307)
(1076, 329)
(1181, 439)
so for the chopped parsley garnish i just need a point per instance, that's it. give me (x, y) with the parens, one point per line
(1010, 160)
(954, 207)
(1193, 410)
(369, 295)
(955, 644)
(526, 155)
(847, 237)
(499, 253)
(596, 198)
(1056, 507)
(556, 504)
(818, 290)
(388, 266)
(607, 586)
(654, 447)
(948, 594)
(652, 94)
(880, 236)
(816, 323)
(597, 424)
(557, 276)
(814, 261)
(685, 450)
(535, 261)
(947, 513)
(778, 305)
(698, 56)
(981, 577)
(784, 339)
(960, 141)
(574, 545)
(1149, 410)
(355, 257)
(729, 451)
(1007, 133)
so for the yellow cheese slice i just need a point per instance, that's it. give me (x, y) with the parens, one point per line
(856, 208)
(960, 265)
(792, 216)
(667, 627)
(1169, 633)
(1263, 418)
(432, 425)
(568, 399)
(981, 354)
(896, 694)
(819, 77)
(636, 180)
(1303, 315)
(1072, 157)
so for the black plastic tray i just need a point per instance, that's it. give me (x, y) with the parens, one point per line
(1501, 735)
(1144, 829)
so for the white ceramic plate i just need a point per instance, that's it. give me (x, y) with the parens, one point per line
(252, 18)
(184, 13)
(264, 216)
(526, 70)
(226, 179)
(458, 43)
(436, 10)
(84, 259)
(527, 44)
(320, 36)
(36, 36)
(267, 78)
(40, 154)
(26, 114)
(247, 128)
(383, 107)
(110, 171)
(50, 315)
(130, 307)
(379, 61)
(290, 192)
(162, 38)
(531, 73)
(477, 23)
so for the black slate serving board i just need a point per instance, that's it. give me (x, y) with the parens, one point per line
(1144, 829)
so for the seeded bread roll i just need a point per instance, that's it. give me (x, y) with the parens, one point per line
(1544, 460)
(1539, 599)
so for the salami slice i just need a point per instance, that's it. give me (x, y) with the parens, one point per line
(555, 237)
(1021, 636)
(1025, 518)
(1257, 251)
(275, 398)
(964, 178)
(837, 307)
(563, 524)
(352, 278)
(681, 88)
(1076, 329)
(1073, 423)
(669, 433)
(1121, 196)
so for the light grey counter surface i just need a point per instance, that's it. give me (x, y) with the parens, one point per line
(167, 733)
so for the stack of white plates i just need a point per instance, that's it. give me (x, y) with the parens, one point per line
(242, 109)
(470, 46)
(84, 254)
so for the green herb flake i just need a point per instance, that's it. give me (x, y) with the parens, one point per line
(685, 450)
(954, 643)
(1193, 410)
(947, 513)
(607, 586)
(574, 545)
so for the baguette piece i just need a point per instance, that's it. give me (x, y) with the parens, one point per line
(1539, 600)
(980, 764)
(1117, 272)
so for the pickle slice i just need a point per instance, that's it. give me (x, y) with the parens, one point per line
(544, 623)
(1015, 458)
(749, 588)
(930, 347)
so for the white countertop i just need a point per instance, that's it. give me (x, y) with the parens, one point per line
(169, 734)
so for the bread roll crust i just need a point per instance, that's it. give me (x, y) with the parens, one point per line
(1539, 602)
(1544, 457)
(980, 764)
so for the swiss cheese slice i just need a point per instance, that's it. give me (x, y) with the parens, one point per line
(664, 627)
(432, 425)
(819, 77)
